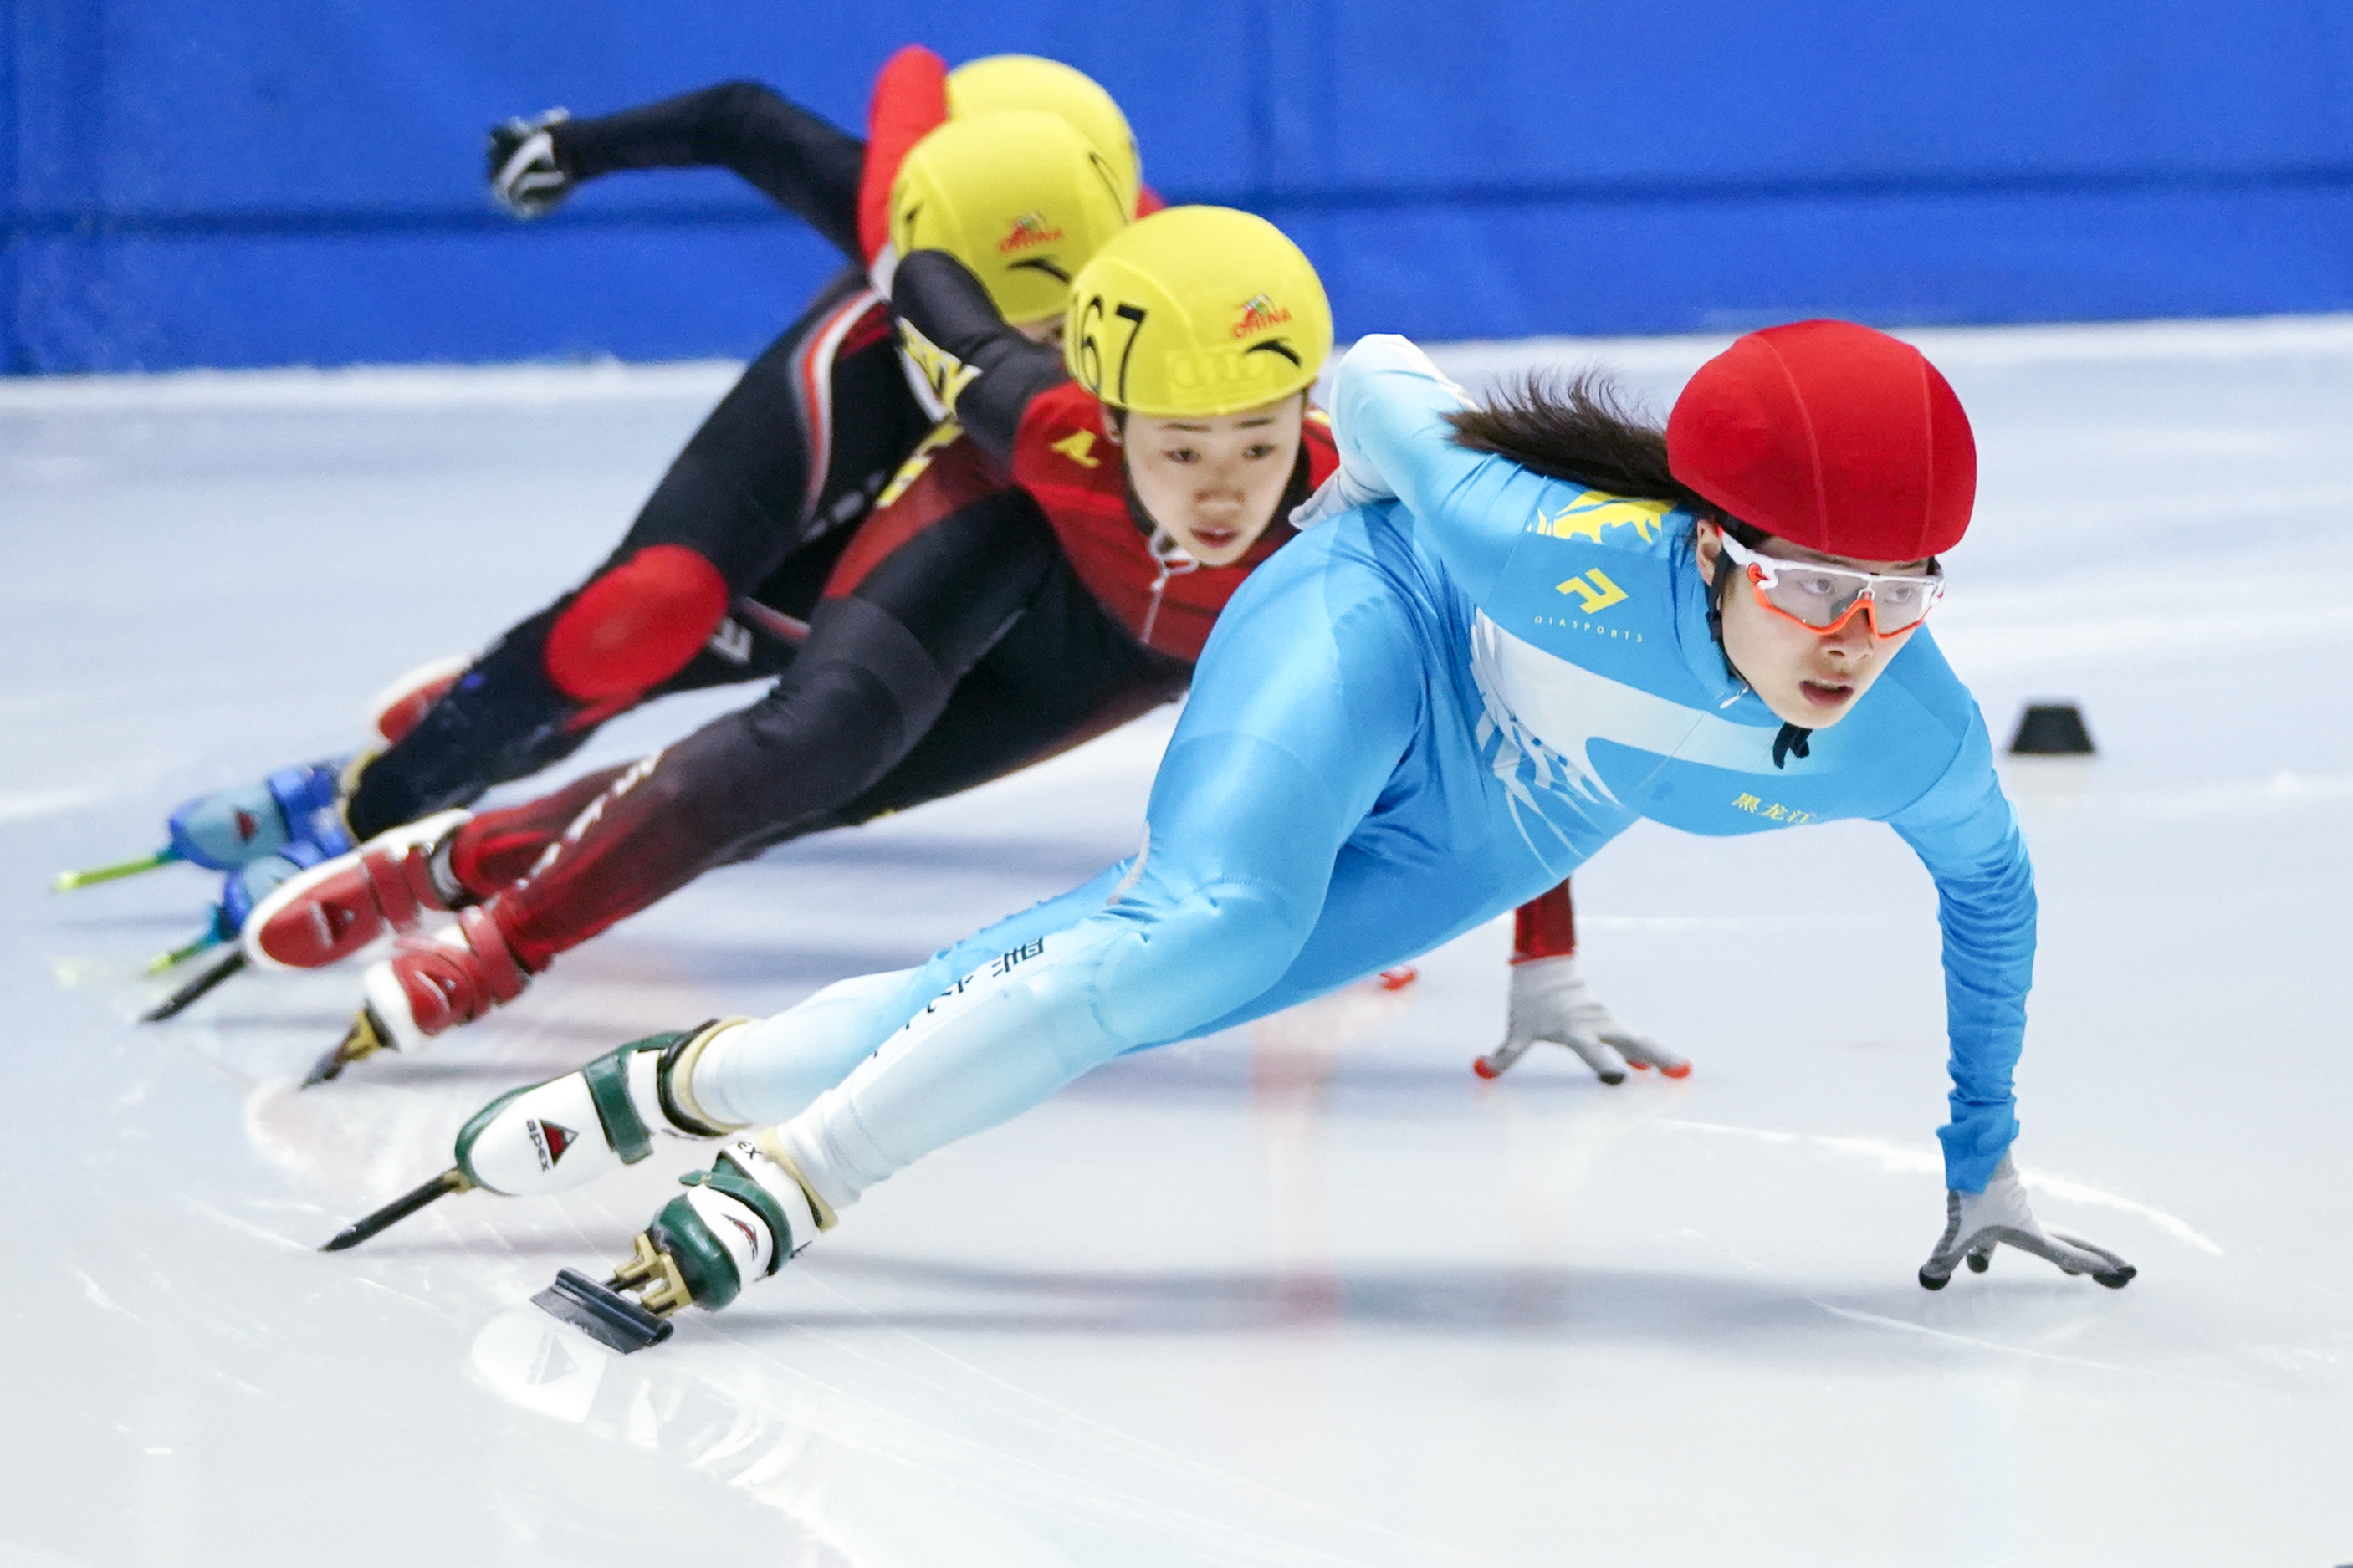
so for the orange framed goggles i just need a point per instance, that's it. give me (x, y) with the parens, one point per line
(1823, 598)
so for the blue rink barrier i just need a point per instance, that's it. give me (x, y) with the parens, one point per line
(266, 182)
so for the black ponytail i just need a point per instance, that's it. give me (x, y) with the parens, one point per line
(1579, 429)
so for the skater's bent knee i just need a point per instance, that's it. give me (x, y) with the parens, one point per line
(637, 625)
(1198, 960)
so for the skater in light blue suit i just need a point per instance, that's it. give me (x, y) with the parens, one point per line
(1438, 703)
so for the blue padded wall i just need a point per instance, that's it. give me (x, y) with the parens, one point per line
(265, 182)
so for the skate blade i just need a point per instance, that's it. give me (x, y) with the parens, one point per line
(453, 1180)
(601, 1312)
(366, 1036)
(195, 989)
(67, 881)
(184, 951)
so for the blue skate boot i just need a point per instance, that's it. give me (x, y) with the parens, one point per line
(229, 829)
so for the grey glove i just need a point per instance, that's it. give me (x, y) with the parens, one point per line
(525, 177)
(1976, 1222)
(1356, 482)
(1551, 1001)
(1344, 489)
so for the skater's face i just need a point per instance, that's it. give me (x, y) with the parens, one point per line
(1214, 484)
(1047, 329)
(1807, 678)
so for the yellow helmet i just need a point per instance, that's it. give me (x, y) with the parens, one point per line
(1197, 312)
(1026, 81)
(1017, 195)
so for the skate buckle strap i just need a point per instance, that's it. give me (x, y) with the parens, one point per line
(674, 1078)
(608, 1090)
(417, 872)
(726, 1176)
(387, 880)
(502, 974)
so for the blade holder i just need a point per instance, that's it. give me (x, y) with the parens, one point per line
(366, 1036)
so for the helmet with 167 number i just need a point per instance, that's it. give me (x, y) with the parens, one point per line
(1197, 312)
(1028, 81)
(1016, 195)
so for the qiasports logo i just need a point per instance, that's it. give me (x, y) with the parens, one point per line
(1594, 590)
(1029, 229)
(1258, 312)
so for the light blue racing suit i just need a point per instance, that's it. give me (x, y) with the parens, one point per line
(1410, 720)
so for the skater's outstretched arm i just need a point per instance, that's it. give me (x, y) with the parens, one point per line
(803, 164)
(1966, 832)
(984, 370)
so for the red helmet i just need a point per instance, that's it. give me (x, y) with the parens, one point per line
(1831, 435)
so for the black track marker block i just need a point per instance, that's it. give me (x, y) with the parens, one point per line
(604, 1315)
(2052, 730)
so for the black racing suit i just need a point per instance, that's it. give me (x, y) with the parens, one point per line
(764, 492)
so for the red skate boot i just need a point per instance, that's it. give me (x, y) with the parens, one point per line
(331, 911)
(427, 986)
(438, 862)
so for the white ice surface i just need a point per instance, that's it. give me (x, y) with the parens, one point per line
(1312, 1294)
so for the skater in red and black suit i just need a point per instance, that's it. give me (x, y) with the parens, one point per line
(715, 580)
